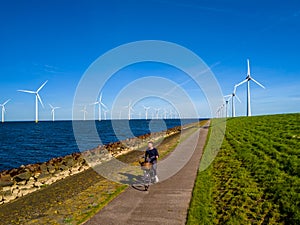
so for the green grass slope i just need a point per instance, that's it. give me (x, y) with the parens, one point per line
(255, 178)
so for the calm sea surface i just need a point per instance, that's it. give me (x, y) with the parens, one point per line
(24, 143)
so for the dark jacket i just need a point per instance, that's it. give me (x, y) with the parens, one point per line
(150, 155)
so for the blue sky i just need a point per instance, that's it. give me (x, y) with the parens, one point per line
(58, 40)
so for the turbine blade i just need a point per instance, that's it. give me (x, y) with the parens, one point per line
(103, 105)
(40, 100)
(42, 86)
(229, 97)
(26, 91)
(248, 67)
(51, 106)
(258, 83)
(5, 102)
(244, 81)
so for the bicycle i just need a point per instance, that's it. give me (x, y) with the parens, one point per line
(148, 174)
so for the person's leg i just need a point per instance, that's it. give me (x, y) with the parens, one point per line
(154, 167)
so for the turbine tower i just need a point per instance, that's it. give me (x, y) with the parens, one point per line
(227, 99)
(53, 111)
(129, 106)
(37, 100)
(146, 112)
(84, 112)
(248, 79)
(3, 109)
(105, 111)
(233, 100)
(165, 114)
(100, 103)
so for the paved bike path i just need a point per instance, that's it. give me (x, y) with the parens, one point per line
(166, 202)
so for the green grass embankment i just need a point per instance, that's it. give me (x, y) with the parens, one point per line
(255, 178)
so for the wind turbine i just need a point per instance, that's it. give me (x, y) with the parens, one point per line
(53, 111)
(100, 103)
(129, 110)
(232, 97)
(37, 99)
(157, 112)
(227, 99)
(218, 112)
(105, 111)
(146, 111)
(165, 113)
(248, 79)
(3, 109)
(84, 112)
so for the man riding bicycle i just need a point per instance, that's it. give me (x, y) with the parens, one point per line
(151, 155)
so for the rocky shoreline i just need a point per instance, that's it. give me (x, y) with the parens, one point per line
(21, 181)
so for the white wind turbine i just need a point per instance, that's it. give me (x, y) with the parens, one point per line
(218, 112)
(232, 97)
(84, 112)
(248, 79)
(129, 106)
(3, 109)
(53, 111)
(105, 111)
(37, 99)
(165, 114)
(227, 99)
(100, 104)
(157, 112)
(146, 112)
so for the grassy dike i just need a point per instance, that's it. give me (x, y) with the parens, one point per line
(255, 178)
(78, 197)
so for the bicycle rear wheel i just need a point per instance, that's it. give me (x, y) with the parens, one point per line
(147, 179)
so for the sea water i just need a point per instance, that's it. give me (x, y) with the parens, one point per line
(24, 143)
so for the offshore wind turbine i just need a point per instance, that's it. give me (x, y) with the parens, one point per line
(129, 106)
(165, 114)
(248, 79)
(84, 112)
(100, 105)
(105, 111)
(37, 100)
(53, 111)
(146, 112)
(3, 109)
